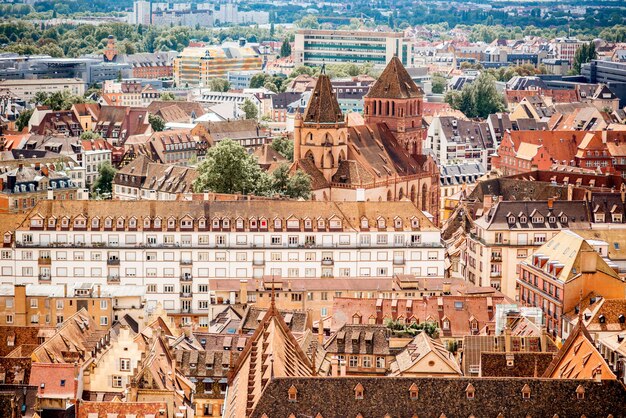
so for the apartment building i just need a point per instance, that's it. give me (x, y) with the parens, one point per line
(26, 89)
(318, 47)
(560, 272)
(95, 153)
(510, 231)
(176, 248)
(50, 305)
(197, 65)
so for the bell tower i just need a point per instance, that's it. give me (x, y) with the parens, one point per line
(395, 100)
(320, 135)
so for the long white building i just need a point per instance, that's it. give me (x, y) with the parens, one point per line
(176, 249)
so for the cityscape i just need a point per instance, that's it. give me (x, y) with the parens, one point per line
(269, 209)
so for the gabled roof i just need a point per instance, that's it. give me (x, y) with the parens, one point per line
(272, 351)
(579, 358)
(323, 106)
(395, 83)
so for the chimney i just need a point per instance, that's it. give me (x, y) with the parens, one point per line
(446, 288)
(544, 340)
(320, 331)
(507, 339)
(342, 368)
(487, 202)
(588, 261)
(243, 291)
(550, 203)
(334, 367)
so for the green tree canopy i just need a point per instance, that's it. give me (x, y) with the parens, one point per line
(219, 84)
(156, 122)
(104, 183)
(438, 84)
(250, 109)
(584, 54)
(477, 99)
(167, 96)
(90, 135)
(23, 118)
(284, 146)
(228, 168)
(285, 49)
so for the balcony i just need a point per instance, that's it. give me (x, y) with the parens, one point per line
(327, 262)
(258, 262)
(113, 262)
(113, 279)
(495, 274)
(186, 262)
(44, 261)
(496, 258)
(45, 278)
(185, 294)
(398, 261)
(186, 277)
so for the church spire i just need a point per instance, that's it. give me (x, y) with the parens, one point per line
(323, 106)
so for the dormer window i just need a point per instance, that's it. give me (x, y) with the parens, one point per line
(278, 224)
(563, 219)
(414, 392)
(580, 392)
(216, 223)
(364, 223)
(358, 391)
(599, 217)
(321, 224)
(202, 223)
(445, 325)
(79, 223)
(157, 223)
(335, 224)
(537, 219)
(308, 224)
(120, 223)
(470, 391)
(552, 219)
(526, 391)
(511, 220)
(617, 217)
(146, 223)
(415, 223)
(252, 223)
(398, 223)
(95, 223)
(381, 222)
(186, 223)
(171, 223)
(108, 223)
(239, 224)
(65, 222)
(293, 394)
(293, 224)
(36, 222)
(52, 222)
(226, 223)
(523, 219)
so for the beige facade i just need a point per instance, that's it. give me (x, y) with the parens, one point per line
(26, 89)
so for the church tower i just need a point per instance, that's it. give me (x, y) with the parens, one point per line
(397, 101)
(320, 134)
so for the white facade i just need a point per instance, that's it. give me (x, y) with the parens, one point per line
(142, 13)
(177, 265)
(92, 160)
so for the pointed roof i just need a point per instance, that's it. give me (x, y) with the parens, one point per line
(272, 351)
(395, 83)
(579, 358)
(323, 106)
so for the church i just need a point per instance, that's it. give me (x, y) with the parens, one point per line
(374, 158)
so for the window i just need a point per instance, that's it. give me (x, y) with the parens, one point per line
(116, 381)
(380, 362)
(104, 304)
(125, 364)
(381, 239)
(276, 240)
(151, 288)
(168, 288)
(354, 361)
(34, 303)
(104, 320)
(9, 319)
(367, 361)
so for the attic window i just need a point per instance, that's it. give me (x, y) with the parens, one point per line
(216, 223)
(602, 319)
(308, 224)
(108, 223)
(120, 223)
(563, 219)
(511, 219)
(522, 219)
(263, 224)
(398, 223)
(364, 223)
(157, 223)
(414, 392)
(146, 223)
(278, 224)
(239, 224)
(226, 223)
(552, 219)
(469, 391)
(321, 224)
(358, 391)
(526, 392)
(171, 223)
(445, 324)
(202, 223)
(415, 223)
(132, 223)
(293, 394)
(580, 392)
(381, 222)
(52, 222)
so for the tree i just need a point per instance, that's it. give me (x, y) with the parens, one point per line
(297, 186)
(250, 109)
(283, 146)
(228, 168)
(438, 84)
(308, 22)
(584, 54)
(104, 182)
(157, 123)
(258, 80)
(219, 84)
(90, 135)
(477, 99)
(59, 100)
(22, 119)
(167, 96)
(285, 49)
